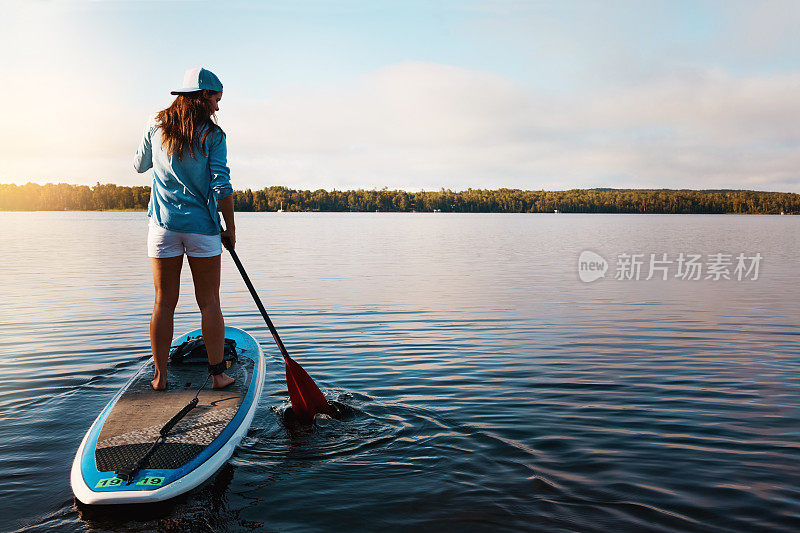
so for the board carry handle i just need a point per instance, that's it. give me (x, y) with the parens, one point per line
(126, 474)
(177, 418)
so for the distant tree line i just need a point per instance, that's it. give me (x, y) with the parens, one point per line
(62, 196)
(65, 197)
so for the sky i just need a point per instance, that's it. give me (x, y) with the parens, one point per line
(415, 95)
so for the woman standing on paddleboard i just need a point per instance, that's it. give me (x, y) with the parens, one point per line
(191, 180)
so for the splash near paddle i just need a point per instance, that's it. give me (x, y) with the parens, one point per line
(307, 400)
(148, 446)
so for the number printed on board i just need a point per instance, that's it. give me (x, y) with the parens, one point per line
(108, 482)
(151, 481)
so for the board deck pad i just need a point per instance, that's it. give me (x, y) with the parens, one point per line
(136, 419)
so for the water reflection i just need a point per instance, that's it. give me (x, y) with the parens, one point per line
(487, 386)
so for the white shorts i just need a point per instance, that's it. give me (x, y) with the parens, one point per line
(162, 242)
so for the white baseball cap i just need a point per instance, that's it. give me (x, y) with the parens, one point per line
(197, 79)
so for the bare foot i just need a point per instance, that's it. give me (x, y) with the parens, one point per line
(221, 381)
(158, 384)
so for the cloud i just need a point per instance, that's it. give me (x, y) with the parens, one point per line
(425, 125)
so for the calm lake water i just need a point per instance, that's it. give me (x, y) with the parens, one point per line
(492, 388)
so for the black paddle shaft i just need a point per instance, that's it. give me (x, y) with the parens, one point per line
(252, 289)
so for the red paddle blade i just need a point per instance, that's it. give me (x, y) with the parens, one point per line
(307, 400)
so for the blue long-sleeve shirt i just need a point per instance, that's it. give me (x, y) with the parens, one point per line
(185, 192)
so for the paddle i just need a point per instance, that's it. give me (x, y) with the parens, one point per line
(307, 400)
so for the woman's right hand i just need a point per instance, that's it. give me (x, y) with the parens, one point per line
(229, 238)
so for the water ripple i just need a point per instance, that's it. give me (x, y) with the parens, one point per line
(484, 387)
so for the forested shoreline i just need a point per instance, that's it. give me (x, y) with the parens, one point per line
(106, 197)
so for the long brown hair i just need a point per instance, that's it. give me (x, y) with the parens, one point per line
(182, 122)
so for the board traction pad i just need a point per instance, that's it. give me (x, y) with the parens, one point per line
(136, 419)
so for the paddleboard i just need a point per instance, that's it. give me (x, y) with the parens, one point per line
(194, 449)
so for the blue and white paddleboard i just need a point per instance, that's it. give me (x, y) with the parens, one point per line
(196, 447)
